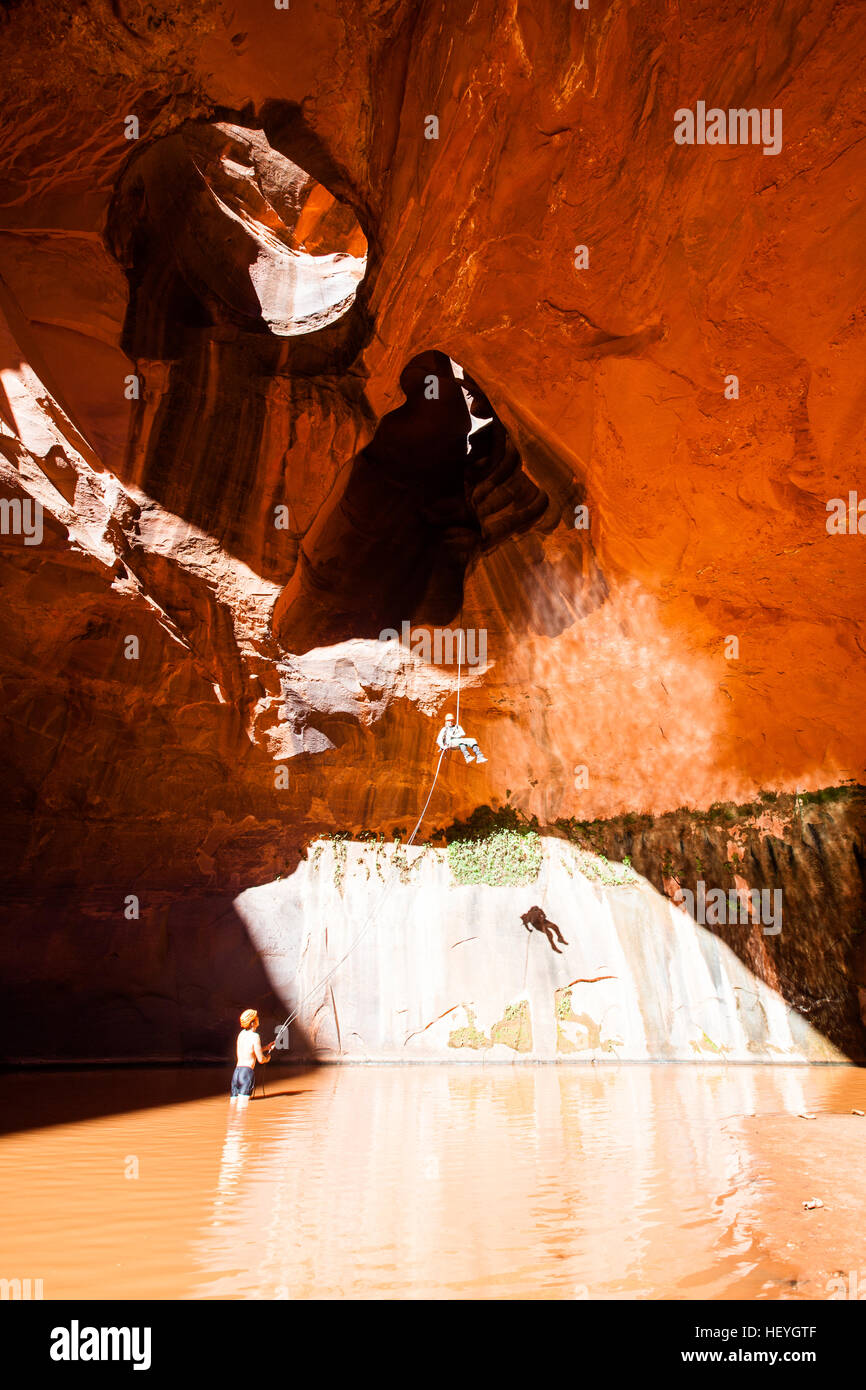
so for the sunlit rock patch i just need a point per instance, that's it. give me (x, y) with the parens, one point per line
(213, 215)
(415, 965)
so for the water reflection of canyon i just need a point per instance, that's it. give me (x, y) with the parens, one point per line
(449, 1182)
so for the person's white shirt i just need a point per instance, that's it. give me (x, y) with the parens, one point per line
(249, 1048)
(449, 734)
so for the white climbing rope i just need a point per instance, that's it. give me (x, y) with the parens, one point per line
(548, 865)
(374, 911)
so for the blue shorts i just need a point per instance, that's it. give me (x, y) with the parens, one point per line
(243, 1081)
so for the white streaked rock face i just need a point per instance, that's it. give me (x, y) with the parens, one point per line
(424, 969)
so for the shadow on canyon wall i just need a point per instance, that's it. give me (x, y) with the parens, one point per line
(164, 991)
(811, 849)
(440, 484)
(536, 919)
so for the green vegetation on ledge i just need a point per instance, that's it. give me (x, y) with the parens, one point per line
(495, 847)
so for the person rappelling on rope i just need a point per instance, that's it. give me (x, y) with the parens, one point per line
(249, 1051)
(452, 736)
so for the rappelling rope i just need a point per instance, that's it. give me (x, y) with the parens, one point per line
(442, 754)
(362, 933)
(526, 958)
(548, 866)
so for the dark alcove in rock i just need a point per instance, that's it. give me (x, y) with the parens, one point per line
(439, 484)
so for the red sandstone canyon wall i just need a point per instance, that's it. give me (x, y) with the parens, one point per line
(190, 690)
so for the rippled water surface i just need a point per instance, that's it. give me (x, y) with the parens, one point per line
(440, 1181)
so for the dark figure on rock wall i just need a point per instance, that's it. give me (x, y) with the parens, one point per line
(536, 920)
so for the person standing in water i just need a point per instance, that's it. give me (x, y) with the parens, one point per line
(249, 1051)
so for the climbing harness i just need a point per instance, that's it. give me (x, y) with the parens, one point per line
(374, 911)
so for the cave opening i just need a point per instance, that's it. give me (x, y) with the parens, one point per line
(244, 272)
(440, 483)
(218, 227)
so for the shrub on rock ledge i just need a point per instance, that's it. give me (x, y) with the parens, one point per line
(501, 858)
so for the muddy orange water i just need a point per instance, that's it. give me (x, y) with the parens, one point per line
(438, 1182)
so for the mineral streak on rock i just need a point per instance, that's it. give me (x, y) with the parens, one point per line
(205, 333)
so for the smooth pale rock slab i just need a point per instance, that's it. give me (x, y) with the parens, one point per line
(392, 961)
